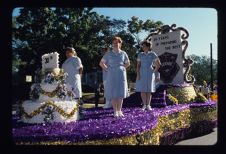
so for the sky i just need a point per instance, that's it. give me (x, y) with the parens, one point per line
(201, 23)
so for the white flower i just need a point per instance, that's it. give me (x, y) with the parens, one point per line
(56, 71)
(49, 87)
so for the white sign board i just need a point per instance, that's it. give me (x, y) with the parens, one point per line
(28, 78)
(169, 49)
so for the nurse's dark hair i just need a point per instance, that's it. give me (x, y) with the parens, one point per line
(147, 43)
(72, 50)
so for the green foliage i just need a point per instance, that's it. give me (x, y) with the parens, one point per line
(136, 26)
(36, 31)
(201, 69)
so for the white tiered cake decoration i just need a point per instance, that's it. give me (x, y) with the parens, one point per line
(51, 100)
(50, 61)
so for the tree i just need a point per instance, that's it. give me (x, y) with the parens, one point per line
(201, 69)
(37, 31)
(42, 30)
(136, 26)
(32, 37)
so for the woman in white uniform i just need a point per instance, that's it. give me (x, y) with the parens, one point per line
(108, 103)
(148, 64)
(73, 66)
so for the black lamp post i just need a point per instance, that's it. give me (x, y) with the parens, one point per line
(211, 67)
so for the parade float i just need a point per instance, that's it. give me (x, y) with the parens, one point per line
(179, 111)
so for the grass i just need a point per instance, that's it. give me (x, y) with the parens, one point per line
(89, 98)
(87, 94)
(88, 105)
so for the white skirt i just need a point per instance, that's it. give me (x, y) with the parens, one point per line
(76, 85)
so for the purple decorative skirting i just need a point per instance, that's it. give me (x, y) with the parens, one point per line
(196, 129)
(99, 124)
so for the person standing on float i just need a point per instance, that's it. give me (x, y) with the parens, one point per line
(115, 63)
(148, 64)
(74, 68)
(205, 90)
(108, 103)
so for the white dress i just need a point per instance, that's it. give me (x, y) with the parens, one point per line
(72, 66)
(108, 103)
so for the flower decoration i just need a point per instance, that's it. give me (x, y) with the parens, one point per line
(56, 76)
(35, 91)
(62, 77)
(213, 97)
(56, 71)
(53, 84)
(183, 94)
(99, 127)
(46, 105)
(62, 91)
(49, 78)
(171, 100)
(200, 98)
(48, 112)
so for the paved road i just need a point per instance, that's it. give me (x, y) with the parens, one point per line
(209, 139)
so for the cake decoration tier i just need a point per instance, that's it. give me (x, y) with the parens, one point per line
(50, 61)
(51, 99)
(46, 112)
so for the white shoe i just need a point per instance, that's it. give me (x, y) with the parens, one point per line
(149, 108)
(144, 107)
(116, 115)
(120, 114)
